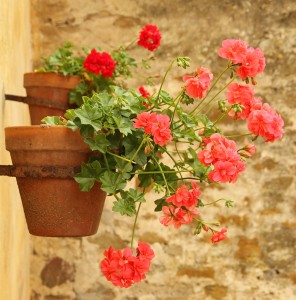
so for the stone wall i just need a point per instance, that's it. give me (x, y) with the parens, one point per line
(257, 261)
(15, 59)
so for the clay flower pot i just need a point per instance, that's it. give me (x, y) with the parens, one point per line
(54, 206)
(48, 86)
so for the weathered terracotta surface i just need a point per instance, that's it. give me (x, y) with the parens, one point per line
(54, 207)
(49, 86)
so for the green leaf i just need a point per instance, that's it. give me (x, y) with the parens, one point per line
(70, 114)
(88, 175)
(89, 116)
(136, 195)
(54, 121)
(124, 207)
(205, 120)
(188, 120)
(123, 165)
(229, 203)
(183, 62)
(131, 144)
(98, 142)
(146, 179)
(201, 171)
(159, 204)
(112, 182)
(165, 97)
(125, 126)
(200, 203)
(171, 178)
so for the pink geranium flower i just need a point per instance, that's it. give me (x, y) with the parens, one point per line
(253, 64)
(145, 120)
(222, 154)
(219, 236)
(244, 95)
(176, 216)
(197, 86)
(218, 148)
(235, 50)
(226, 171)
(185, 197)
(160, 130)
(264, 121)
(157, 125)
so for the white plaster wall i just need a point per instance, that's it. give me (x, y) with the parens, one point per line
(15, 59)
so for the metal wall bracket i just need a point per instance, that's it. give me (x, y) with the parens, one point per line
(39, 172)
(37, 101)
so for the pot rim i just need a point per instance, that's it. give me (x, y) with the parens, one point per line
(38, 137)
(50, 79)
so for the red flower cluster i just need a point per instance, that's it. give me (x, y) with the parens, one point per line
(261, 118)
(123, 269)
(223, 155)
(264, 121)
(219, 236)
(157, 125)
(149, 37)
(99, 63)
(251, 61)
(197, 86)
(182, 208)
(144, 93)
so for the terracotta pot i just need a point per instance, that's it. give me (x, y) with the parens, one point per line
(53, 206)
(48, 86)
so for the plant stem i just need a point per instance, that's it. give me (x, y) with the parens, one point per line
(120, 157)
(217, 94)
(238, 135)
(106, 162)
(211, 203)
(164, 77)
(135, 223)
(126, 166)
(162, 174)
(172, 158)
(222, 116)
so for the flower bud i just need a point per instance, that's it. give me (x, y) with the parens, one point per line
(205, 228)
(250, 148)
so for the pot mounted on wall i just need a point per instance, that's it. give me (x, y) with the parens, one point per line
(47, 94)
(53, 206)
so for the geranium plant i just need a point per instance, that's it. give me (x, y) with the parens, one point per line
(98, 69)
(138, 135)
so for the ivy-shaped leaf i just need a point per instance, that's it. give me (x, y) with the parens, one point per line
(98, 142)
(112, 182)
(124, 207)
(88, 175)
(136, 195)
(54, 121)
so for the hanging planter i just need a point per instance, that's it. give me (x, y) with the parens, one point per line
(172, 143)
(50, 92)
(54, 206)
